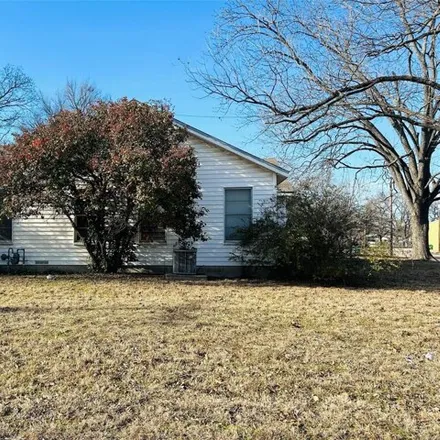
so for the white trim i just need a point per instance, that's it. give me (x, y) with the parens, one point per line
(279, 171)
(142, 243)
(226, 188)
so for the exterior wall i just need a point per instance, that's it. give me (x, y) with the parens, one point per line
(434, 236)
(46, 240)
(49, 240)
(219, 170)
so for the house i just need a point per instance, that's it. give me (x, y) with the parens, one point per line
(434, 236)
(235, 186)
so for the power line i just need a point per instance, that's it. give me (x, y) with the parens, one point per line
(181, 115)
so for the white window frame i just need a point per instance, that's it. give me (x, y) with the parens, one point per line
(155, 242)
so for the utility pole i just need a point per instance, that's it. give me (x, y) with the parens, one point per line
(391, 219)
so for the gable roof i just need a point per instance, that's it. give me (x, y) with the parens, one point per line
(282, 173)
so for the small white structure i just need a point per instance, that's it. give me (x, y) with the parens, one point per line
(235, 185)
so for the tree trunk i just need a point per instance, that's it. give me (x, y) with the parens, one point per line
(419, 232)
(113, 266)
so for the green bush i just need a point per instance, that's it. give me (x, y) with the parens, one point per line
(378, 257)
(307, 234)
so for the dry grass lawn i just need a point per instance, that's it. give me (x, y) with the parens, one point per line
(134, 358)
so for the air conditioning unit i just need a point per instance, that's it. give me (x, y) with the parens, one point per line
(14, 257)
(185, 261)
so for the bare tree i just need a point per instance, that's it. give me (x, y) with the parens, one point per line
(384, 216)
(74, 96)
(402, 218)
(353, 82)
(17, 96)
(376, 219)
(434, 213)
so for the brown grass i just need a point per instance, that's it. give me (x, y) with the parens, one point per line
(132, 358)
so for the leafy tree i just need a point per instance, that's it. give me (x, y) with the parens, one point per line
(353, 82)
(309, 233)
(115, 163)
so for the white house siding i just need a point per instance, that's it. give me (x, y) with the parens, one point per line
(50, 239)
(218, 170)
(46, 239)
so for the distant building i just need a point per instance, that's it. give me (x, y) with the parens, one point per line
(434, 236)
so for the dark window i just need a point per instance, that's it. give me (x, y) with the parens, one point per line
(5, 229)
(151, 234)
(238, 211)
(82, 227)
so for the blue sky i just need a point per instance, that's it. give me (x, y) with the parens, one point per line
(126, 48)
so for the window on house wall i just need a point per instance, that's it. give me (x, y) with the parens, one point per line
(82, 227)
(151, 234)
(238, 211)
(5, 229)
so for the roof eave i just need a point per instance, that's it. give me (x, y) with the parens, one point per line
(282, 173)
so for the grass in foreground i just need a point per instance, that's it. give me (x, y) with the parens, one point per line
(147, 359)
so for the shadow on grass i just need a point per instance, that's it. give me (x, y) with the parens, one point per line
(410, 275)
(166, 315)
(10, 310)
